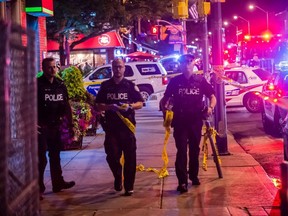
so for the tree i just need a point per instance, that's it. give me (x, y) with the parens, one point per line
(143, 14)
(95, 17)
(91, 18)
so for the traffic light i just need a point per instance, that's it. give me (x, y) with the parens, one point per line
(180, 9)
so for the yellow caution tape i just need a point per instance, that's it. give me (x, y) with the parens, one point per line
(127, 122)
(168, 119)
(209, 132)
(163, 172)
(205, 153)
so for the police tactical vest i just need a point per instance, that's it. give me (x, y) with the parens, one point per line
(52, 101)
(111, 93)
(188, 95)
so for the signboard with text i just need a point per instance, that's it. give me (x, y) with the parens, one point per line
(175, 34)
(39, 7)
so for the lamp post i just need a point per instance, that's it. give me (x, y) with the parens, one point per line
(248, 22)
(251, 7)
(225, 23)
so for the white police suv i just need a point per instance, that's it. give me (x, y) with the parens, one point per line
(245, 83)
(150, 77)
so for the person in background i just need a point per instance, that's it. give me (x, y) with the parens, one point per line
(185, 93)
(119, 98)
(87, 68)
(53, 105)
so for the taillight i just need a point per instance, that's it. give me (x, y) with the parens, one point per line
(164, 80)
(279, 93)
(270, 86)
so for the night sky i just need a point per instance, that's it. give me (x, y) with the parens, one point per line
(257, 17)
(241, 7)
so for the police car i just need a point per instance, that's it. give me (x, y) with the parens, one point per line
(244, 85)
(150, 77)
(275, 100)
(241, 90)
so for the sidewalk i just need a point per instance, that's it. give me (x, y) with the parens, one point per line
(245, 189)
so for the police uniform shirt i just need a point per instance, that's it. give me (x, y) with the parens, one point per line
(112, 93)
(187, 96)
(52, 101)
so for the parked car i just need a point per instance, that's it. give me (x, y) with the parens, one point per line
(248, 81)
(251, 81)
(171, 64)
(150, 77)
(275, 100)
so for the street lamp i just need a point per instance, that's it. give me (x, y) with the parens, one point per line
(251, 7)
(225, 23)
(248, 22)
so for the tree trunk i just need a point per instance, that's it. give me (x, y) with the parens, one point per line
(67, 51)
(61, 50)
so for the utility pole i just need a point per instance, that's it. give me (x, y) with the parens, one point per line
(203, 9)
(218, 68)
(205, 45)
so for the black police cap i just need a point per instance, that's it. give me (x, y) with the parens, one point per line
(186, 57)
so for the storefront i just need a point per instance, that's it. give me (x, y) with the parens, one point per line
(93, 52)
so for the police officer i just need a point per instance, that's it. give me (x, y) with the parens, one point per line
(120, 96)
(53, 105)
(186, 92)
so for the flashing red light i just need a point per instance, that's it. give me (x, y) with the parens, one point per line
(164, 80)
(266, 36)
(247, 37)
(154, 30)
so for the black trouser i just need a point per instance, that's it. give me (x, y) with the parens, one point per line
(49, 139)
(187, 134)
(116, 142)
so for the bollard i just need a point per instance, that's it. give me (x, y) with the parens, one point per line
(284, 189)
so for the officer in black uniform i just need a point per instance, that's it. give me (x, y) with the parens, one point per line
(186, 92)
(53, 105)
(119, 95)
